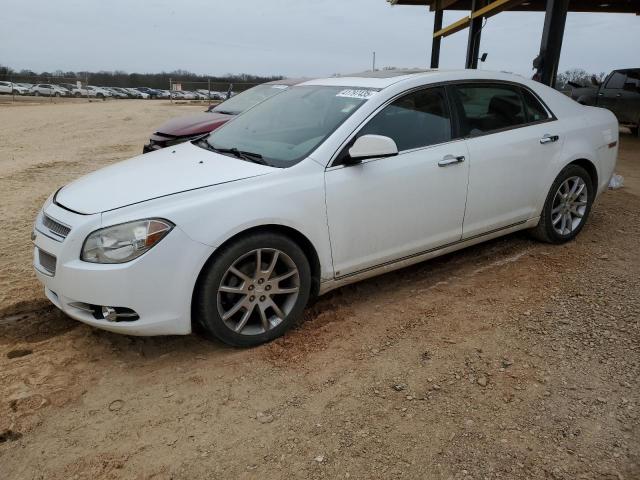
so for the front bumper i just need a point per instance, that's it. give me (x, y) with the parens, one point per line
(158, 286)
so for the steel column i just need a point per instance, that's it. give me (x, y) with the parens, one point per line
(475, 31)
(435, 45)
(548, 60)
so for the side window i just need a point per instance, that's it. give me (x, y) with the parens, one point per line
(616, 81)
(487, 108)
(416, 120)
(535, 111)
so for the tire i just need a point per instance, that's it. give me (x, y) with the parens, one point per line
(77, 94)
(57, 94)
(15, 92)
(550, 229)
(36, 93)
(263, 322)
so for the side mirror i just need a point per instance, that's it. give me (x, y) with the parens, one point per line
(371, 146)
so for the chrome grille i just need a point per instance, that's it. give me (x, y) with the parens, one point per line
(55, 226)
(47, 262)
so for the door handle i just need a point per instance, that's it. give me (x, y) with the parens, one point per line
(549, 139)
(450, 160)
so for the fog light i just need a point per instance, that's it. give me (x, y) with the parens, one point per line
(110, 314)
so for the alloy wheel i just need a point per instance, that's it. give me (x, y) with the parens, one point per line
(258, 291)
(569, 205)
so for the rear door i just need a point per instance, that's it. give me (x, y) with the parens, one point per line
(512, 141)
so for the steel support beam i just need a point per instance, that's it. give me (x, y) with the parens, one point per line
(475, 33)
(548, 60)
(435, 45)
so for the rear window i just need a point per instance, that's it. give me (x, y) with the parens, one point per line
(488, 108)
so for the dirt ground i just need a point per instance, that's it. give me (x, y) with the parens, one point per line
(509, 360)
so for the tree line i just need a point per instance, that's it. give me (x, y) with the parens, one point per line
(120, 78)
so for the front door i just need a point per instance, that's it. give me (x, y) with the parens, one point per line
(385, 209)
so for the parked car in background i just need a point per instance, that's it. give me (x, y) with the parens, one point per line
(125, 92)
(92, 91)
(137, 93)
(212, 95)
(619, 92)
(48, 90)
(236, 232)
(13, 88)
(115, 92)
(70, 87)
(151, 92)
(182, 129)
(28, 86)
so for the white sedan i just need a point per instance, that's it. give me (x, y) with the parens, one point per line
(330, 182)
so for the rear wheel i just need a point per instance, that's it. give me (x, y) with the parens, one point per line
(567, 206)
(254, 290)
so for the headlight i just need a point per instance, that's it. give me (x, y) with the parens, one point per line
(122, 243)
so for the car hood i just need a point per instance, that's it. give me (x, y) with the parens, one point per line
(153, 175)
(194, 124)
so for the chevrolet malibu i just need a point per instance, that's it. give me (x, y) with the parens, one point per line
(325, 184)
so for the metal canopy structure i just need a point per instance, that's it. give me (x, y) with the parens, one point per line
(546, 63)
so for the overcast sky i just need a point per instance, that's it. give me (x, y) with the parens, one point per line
(285, 37)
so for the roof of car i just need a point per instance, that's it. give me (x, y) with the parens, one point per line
(287, 81)
(384, 78)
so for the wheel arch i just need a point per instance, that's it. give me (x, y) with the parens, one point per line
(298, 237)
(591, 169)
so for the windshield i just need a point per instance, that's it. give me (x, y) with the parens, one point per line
(286, 128)
(247, 99)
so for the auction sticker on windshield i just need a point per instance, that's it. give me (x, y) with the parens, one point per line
(363, 93)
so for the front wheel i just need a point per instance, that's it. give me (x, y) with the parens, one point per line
(567, 206)
(254, 290)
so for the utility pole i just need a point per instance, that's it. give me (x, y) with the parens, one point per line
(373, 65)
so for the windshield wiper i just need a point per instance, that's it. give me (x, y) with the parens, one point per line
(242, 154)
